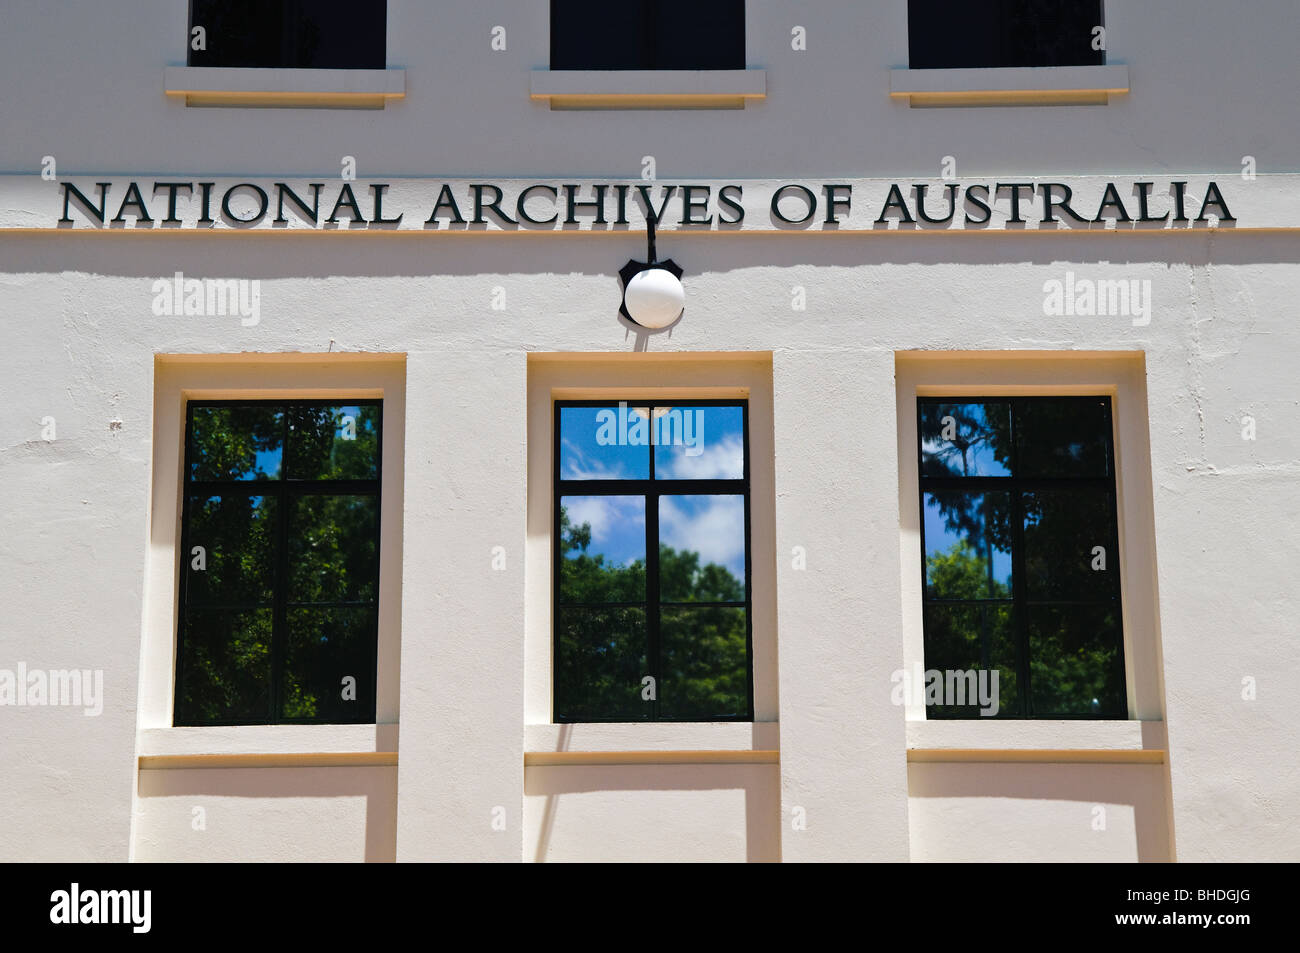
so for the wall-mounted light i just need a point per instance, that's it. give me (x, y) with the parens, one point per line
(653, 296)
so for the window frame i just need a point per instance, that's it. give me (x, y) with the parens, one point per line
(283, 489)
(646, 488)
(911, 50)
(926, 87)
(273, 87)
(649, 43)
(285, 40)
(1015, 485)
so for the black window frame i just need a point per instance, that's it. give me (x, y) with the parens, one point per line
(651, 37)
(920, 15)
(651, 489)
(284, 490)
(290, 23)
(1015, 485)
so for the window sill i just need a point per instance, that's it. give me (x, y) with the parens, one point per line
(653, 743)
(648, 89)
(285, 88)
(1011, 86)
(1096, 742)
(254, 746)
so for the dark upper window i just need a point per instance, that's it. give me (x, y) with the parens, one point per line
(648, 34)
(279, 576)
(1020, 552)
(944, 34)
(652, 596)
(289, 34)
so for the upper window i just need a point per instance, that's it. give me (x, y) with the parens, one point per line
(647, 34)
(986, 33)
(1020, 553)
(279, 563)
(652, 573)
(288, 34)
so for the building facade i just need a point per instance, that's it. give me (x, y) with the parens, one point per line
(512, 431)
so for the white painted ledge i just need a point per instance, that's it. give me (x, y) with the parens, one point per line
(648, 89)
(653, 743)
(301, 88)
(1011, 86)
(1143, 742)
(268, 746)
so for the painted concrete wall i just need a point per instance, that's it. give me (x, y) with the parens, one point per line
(91, 327)
(828, 111)
(267, 815)
(1059, 813)
(652, 813)
(78, 342)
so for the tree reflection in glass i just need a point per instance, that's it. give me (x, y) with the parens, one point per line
(1021, 560)
(280, 569)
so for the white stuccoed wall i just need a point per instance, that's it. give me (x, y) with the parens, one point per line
(79, 341)
(462, 732)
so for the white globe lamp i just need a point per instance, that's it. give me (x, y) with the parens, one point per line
(654, 298)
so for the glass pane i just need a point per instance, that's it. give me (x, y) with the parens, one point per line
(291, 34)
(1074, 656)
(705, 658)
(236, 564)
(1070, 545)
(333, 443)
(329, 665)
(605, 443)
(333, 544)
(702, 548)
(236, 443)
(966, 639)
(1064, 437)
(967, 545)
(991, 33)
(699, 443)
(599, 663)
(641, 34)
(225, 667)
(965, 439)
(602, 539)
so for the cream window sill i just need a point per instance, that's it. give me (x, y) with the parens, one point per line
(285, 88)
(268, 746)
(648, 89)
(653, 743)
(1013, 86)
(1106, 742)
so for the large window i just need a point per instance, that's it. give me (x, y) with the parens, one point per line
(647, 34)
(279, 563)
(1020, 553)
(289, 34)
(943, 34)
(652, 562)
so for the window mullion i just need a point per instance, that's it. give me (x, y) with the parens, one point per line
(652, 594)
(649, 36)
(1019, 588)
(279, 612)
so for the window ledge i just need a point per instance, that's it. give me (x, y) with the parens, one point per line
(1124, 742)
(653, 743)
(244, 746)
(1010, 86)
(285, 88)
(648, 89)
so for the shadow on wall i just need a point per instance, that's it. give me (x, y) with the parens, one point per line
(1064, 812)
(652, 812)
(417, 255)
(306, 814)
